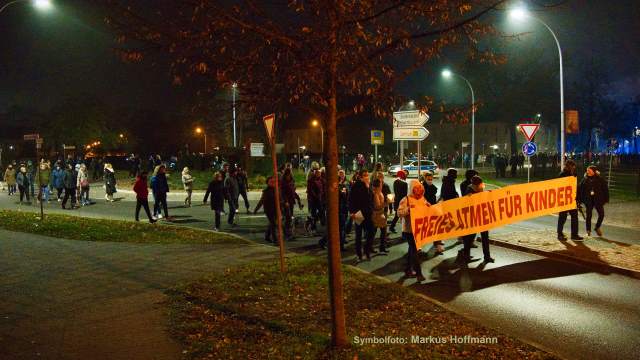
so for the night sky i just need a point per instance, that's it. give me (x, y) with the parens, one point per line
(45, 58)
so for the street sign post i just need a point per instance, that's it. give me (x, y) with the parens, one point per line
(412, 119)
(257, 149)
(529, 149)
(529, 130)
(410, 133)
(377, 138)
(269, 125)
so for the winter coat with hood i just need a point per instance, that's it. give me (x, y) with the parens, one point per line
(400, 190)
(70, 179)
(22, 179)
(593, 185)
(216, 190)
(10, 176)
(57, 178)
(448, 191)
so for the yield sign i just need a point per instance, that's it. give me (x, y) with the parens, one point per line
(269, 125)
(529, 130)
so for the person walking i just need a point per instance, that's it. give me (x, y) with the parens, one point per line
(216, 190)
(449, 185)
(413, 268)
(430, 190)
(83, 184)
(160, 188)
(268, 200)
(187, 182)
(289, 196)
(378, 217)
(593, 193)
(142, 195)
(315, 197)
(361, 211)
(109, 182)
(464, 186)
(400, 190)
(31, 174)
(10, 179)
(43, 177)
(243, 185)
(57, 179)
(476, 186)
(22, 179)
(232, 191)
(70, 181)
(569, 170)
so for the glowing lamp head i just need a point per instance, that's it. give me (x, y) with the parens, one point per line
(446, 74)
(315, 123)
(198, 130)
(43, 5)
(518, 14)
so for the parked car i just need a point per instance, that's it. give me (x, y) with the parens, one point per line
(411, 166)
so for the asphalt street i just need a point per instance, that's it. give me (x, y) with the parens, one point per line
(562, 307)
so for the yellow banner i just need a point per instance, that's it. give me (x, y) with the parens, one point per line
(490, 209)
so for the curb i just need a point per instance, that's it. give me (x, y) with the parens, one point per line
(448, 308)
(601, 267)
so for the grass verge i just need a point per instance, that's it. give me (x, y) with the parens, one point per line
(254, 312)
(89, 229)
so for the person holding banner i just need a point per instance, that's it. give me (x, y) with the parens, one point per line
(569, 170)
(413, 267)
(476, 186)
(400, 190)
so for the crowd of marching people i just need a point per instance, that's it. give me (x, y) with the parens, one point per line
(368, 206)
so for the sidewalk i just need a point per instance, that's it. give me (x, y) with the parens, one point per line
(599, 252)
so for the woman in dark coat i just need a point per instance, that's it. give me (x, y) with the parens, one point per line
(476, 186)
(448, 190)
(109, 182)
(594, 193)
(216, 190)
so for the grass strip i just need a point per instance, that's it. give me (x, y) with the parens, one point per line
(90, 229)
(254, 312)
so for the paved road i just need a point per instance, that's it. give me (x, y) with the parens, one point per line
(563, 307)
(65, 299)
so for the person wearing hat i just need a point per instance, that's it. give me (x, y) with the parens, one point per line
(400, 190)
(594, 193)
(413, 267)
(569, 170)
(476, 186)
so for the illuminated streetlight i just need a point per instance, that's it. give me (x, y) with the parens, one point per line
(447, 74)
(235, 140)
(520, 14)
(200, 131)
(316, 123)
(121, 136)
(41, 5)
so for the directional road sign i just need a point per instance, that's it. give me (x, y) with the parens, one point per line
(529, 130)
(410, 133)
(413, 118)
(529, 148)
(31, 136)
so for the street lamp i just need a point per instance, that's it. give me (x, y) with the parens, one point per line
(42, 5)
(520, 14)
(316, 123)
(235, 139)
(448, 74)
(200, 131)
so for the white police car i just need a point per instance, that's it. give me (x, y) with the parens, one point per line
(411, 166)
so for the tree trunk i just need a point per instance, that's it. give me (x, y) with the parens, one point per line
(336, 297)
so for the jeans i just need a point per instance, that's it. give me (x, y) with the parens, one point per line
(368, 229)
(44, 192)
(232, 212)
(600, 210)
(243, 193)
(160, 204)
(144, 204)
(59, 190)
(412, 254)
(84, 195)
(23, 192)
(69, 193)
(562, 218)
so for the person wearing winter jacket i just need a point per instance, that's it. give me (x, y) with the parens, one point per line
(315, 197)
(232, 191)
(464, 186)
(569, 170)
(82, 183)
(449, 185)
(187, 182)
(476, 186)
(216, 190)
(594, 193)
(22, 179)
(289, 196)
(413, 267)
(57, 179)
(400, 190)
(361, 201)
(160, 188)
(70, 180)
(109, 182)
(142, 195)
(268, 200)
(43, 175)
(10, 179)
(243, 184)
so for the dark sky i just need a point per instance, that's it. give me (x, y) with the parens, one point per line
(45, 58)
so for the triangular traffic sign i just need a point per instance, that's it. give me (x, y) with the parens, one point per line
(529, 130)
(269, 125)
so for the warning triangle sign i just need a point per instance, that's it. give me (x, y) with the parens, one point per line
(529, 130)
(269, 125)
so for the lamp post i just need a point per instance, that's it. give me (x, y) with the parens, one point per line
(42, 5)
(235, 139)
(447, 74)
(316, 123)
(520, 14)
(200, 131)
